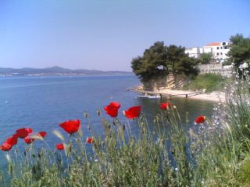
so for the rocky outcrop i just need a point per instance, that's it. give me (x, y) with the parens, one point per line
(169, 82)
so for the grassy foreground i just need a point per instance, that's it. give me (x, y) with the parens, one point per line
(213, 152)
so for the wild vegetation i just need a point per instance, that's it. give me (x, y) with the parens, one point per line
(208, 82)
(210, 152)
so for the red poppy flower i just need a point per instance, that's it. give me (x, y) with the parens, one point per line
(165, 106)
(200, 119)
(133, 112)
(112, 109)
(5, 146)
(71, 126)
(12, 140)
(28, 140)
(22, 133)
(89, 140)
(60, 146)
(42, 134)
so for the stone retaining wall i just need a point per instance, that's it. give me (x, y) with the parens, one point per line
(226, 71)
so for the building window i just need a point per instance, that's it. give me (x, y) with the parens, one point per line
(224, 43)
(218, 48)
(225, 47)
(221, 53)
(218, 53)
(221, 47)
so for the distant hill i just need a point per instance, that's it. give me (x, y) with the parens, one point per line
(54, 71)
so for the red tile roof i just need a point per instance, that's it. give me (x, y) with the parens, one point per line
(214, 44)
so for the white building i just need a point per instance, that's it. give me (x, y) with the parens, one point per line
(219, 51)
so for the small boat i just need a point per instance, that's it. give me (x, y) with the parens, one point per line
(149, 96)
(154, 96)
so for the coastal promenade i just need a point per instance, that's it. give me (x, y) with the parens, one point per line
(168, 93)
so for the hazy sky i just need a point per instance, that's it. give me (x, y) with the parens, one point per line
(107, 34)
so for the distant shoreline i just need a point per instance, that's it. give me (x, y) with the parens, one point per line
(65, 75)
(54, 71)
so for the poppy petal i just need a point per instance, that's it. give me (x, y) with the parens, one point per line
(133, 112)
(22, 133)
(200, 119)
(12, 140)
(89, 140)
(112, 109)
(28, 140)
(60, 146)
(165, 106)
(5, 147)
(71, 126)
(42, 134)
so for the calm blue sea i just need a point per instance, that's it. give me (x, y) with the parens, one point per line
(42, 103)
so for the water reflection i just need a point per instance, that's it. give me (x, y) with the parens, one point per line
(193, 107)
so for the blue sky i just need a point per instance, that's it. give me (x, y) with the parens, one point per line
(107, 34)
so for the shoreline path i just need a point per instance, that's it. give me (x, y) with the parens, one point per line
(213, 96)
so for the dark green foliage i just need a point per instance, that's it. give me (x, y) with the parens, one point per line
(187, 66)
(174, 56)
(149, 66)
(159, 60)
(240, 49)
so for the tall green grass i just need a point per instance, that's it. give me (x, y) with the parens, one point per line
(215, 153)
(209, 81)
